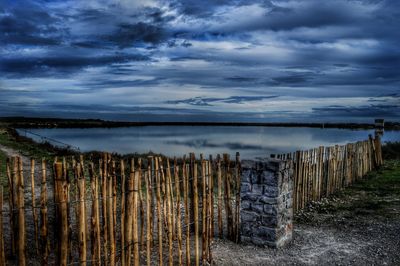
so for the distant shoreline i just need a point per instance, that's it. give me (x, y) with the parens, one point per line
(29, 122)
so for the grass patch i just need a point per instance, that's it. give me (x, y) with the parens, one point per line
(3, 176)
(377, 194)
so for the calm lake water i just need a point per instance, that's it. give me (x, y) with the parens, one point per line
(251, 142)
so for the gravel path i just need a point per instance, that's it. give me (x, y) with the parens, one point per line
(360, 227)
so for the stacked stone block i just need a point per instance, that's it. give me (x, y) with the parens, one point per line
(266, 202)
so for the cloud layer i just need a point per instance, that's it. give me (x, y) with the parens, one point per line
(218, 60)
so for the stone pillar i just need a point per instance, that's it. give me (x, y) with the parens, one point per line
(266, 202)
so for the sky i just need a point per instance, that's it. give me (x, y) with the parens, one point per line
(210, 60)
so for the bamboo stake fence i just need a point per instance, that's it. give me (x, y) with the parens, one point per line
(322, 171)
(149, 211)
(118, 213)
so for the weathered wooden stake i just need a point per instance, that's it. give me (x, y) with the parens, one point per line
(82, 215)
(178, 209)
(34, 213)
(136, 259)
(21, 215)
(44, 244)
(159, 212)
(196, 215)
(220, 198)
(185, 178)
(122, 222)
(148, 213)
(95, 217)
(2, 254)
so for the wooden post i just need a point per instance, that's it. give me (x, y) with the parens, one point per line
(141, 205)
(159, 212)
(114, 203)
(178, 209)
(228, 203)
(129, 214)
(95, 218)
(113, 180)
(210, 210)
(150, 162)
(296, 181)
(81, 215)
(237, 211)
(2, 254)
(61, 202)
(136, 259)
(21, 215)
(196, 215)
(220, 198)
(110, 212)
(103, 177)
(122, 222)
(211, 197)
(169, 214)
(12, 179)
(204, 208)
(185, 179)
(34, 213)
(44, 245)
(148, 211)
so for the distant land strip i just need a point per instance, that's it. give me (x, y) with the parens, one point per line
(33, 122)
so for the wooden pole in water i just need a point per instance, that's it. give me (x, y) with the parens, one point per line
(178, 209)
(44, 245)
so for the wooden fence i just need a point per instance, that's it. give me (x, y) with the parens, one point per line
(322, 171)
(151, 210)
(145, 211)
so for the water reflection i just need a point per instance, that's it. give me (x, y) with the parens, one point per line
(251, 142)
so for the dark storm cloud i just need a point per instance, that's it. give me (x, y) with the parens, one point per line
(294, 50)
(374, 110)
(202, 101)
(37, 65)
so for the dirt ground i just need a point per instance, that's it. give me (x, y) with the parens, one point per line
(358, 226)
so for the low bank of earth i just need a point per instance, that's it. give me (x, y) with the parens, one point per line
(358, 226)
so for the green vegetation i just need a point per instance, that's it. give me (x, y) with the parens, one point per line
(377, 194)
(26, 146)
(3, 176)
(391, 150)
(32, 122)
